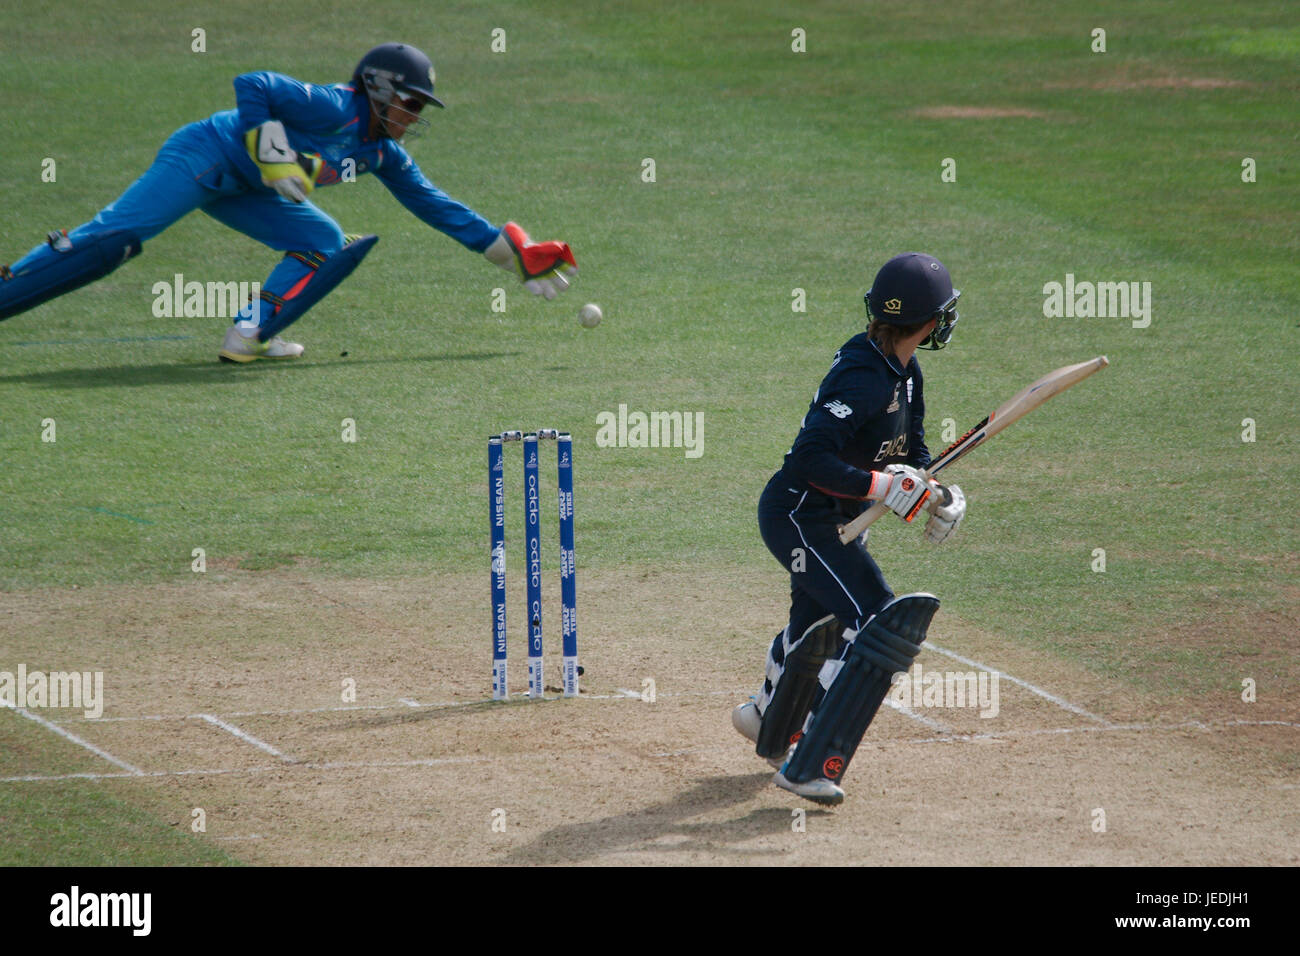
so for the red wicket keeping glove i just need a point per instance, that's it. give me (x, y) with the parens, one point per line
(545, 268)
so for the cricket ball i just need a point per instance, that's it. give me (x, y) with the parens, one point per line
(590, 315)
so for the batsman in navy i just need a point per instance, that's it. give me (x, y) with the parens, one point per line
(255, 168)
(862, 441)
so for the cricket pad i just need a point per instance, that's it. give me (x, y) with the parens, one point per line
(857, 687)
(88, 259)
(327, 275)
(798, 686)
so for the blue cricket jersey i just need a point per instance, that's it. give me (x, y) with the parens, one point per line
(332, 121)
(867, 413)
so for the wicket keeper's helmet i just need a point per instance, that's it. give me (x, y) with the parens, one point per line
(395, 69)
(912, 288)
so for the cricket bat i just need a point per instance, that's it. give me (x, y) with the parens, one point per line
(1012, 410)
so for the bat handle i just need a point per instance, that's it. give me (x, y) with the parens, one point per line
(862, 522)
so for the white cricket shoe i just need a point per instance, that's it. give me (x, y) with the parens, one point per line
(820, 790)
(240, 348)
(746, 719)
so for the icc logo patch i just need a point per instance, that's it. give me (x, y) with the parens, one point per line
(893, 306)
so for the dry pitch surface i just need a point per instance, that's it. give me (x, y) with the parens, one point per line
(226, 694)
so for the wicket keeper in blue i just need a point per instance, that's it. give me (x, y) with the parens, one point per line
(862, 441)
(255, 169)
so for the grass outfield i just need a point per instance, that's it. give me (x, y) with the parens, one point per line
(774, 171)
(78, 824)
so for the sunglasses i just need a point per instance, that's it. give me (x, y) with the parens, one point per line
(411, 104)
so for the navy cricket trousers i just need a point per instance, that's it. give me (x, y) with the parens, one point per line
(826, 577)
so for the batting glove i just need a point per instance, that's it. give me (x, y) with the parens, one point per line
(545, 268)
(902, 488)
(290, 173)
(945, 518)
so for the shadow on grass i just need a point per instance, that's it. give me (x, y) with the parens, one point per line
(215, 373)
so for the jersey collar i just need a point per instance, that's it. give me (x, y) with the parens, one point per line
(892, 360)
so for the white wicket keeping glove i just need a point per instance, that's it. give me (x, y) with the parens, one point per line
(545, 268)
(290, 173)
(902, 488)
(945, 518)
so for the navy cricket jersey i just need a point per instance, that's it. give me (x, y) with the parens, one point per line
(866, 414)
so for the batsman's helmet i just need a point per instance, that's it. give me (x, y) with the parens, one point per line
(912, 288)
(397, 70)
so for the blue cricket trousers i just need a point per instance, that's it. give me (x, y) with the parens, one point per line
(191, 172)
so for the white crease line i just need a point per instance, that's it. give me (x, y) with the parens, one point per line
(1064, 704)
(1011, 734)
(243, 713)
(443, 705)
(74, 738)
(408, 702)
(277, 768)
(908, 712)
(440, 761)
(1210, 727)
(247, 738)
(51, 778)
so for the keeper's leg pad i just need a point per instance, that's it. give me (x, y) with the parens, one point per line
(856, 685)
(70, 266)
(319, 284)
(795, 685)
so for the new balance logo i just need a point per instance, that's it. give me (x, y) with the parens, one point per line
(893, 406)
(838, 409)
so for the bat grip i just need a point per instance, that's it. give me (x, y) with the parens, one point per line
(862, 522)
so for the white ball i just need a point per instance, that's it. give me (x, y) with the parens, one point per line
(590, 315)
